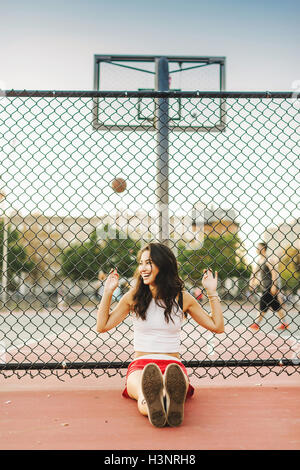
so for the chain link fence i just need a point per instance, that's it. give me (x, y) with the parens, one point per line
(79, 197)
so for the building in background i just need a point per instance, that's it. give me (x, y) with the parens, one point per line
(46, 236)
(281, 237)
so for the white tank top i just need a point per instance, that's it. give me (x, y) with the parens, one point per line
(154, 334)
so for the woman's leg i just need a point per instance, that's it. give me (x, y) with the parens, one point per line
(152, 385)
(176, 385)
(146, 386)
(134, 389)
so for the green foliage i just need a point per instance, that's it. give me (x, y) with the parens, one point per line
(17, 257)
(81, 261)
(223, 253)
(289, 269)
(86, 260)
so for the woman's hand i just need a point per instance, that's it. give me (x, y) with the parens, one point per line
(209, 281)
(111, 282)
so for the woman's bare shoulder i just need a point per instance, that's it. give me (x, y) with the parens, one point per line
(186, 294)
(187, 299)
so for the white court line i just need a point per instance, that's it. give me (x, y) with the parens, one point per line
(21, 344)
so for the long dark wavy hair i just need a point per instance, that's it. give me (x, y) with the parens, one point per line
(168, 282)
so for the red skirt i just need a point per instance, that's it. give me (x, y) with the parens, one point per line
(139, 364)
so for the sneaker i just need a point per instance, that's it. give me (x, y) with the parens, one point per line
(254, 326)
(176, 389)
(152, 388)
(283, 326)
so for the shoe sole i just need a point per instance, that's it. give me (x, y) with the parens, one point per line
(176, 390)
(152, 388)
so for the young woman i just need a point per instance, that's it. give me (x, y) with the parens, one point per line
(156, 378)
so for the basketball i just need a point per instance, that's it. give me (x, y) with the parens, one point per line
(118, 185)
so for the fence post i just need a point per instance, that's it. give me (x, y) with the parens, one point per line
(162, 149)
(4, 274)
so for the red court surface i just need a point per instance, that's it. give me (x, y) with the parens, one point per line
(246, 413)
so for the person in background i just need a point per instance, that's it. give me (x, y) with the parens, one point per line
(266, 277)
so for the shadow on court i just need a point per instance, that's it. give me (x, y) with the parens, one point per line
(90, 413)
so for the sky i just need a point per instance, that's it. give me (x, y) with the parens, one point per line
(51, 46)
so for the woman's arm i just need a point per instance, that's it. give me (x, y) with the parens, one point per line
(106, 320)
(215, 321)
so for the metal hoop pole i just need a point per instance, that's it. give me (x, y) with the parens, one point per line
(162, 150)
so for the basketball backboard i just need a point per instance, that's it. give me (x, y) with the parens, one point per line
(137, 73)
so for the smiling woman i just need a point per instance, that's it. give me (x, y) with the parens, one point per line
(147, 269)
(156, 378)
(156, 277)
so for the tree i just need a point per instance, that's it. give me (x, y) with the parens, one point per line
(17, 256)
(289, 268)
(223, 253)
(120, 254)
(84, 261)
(81, 261)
